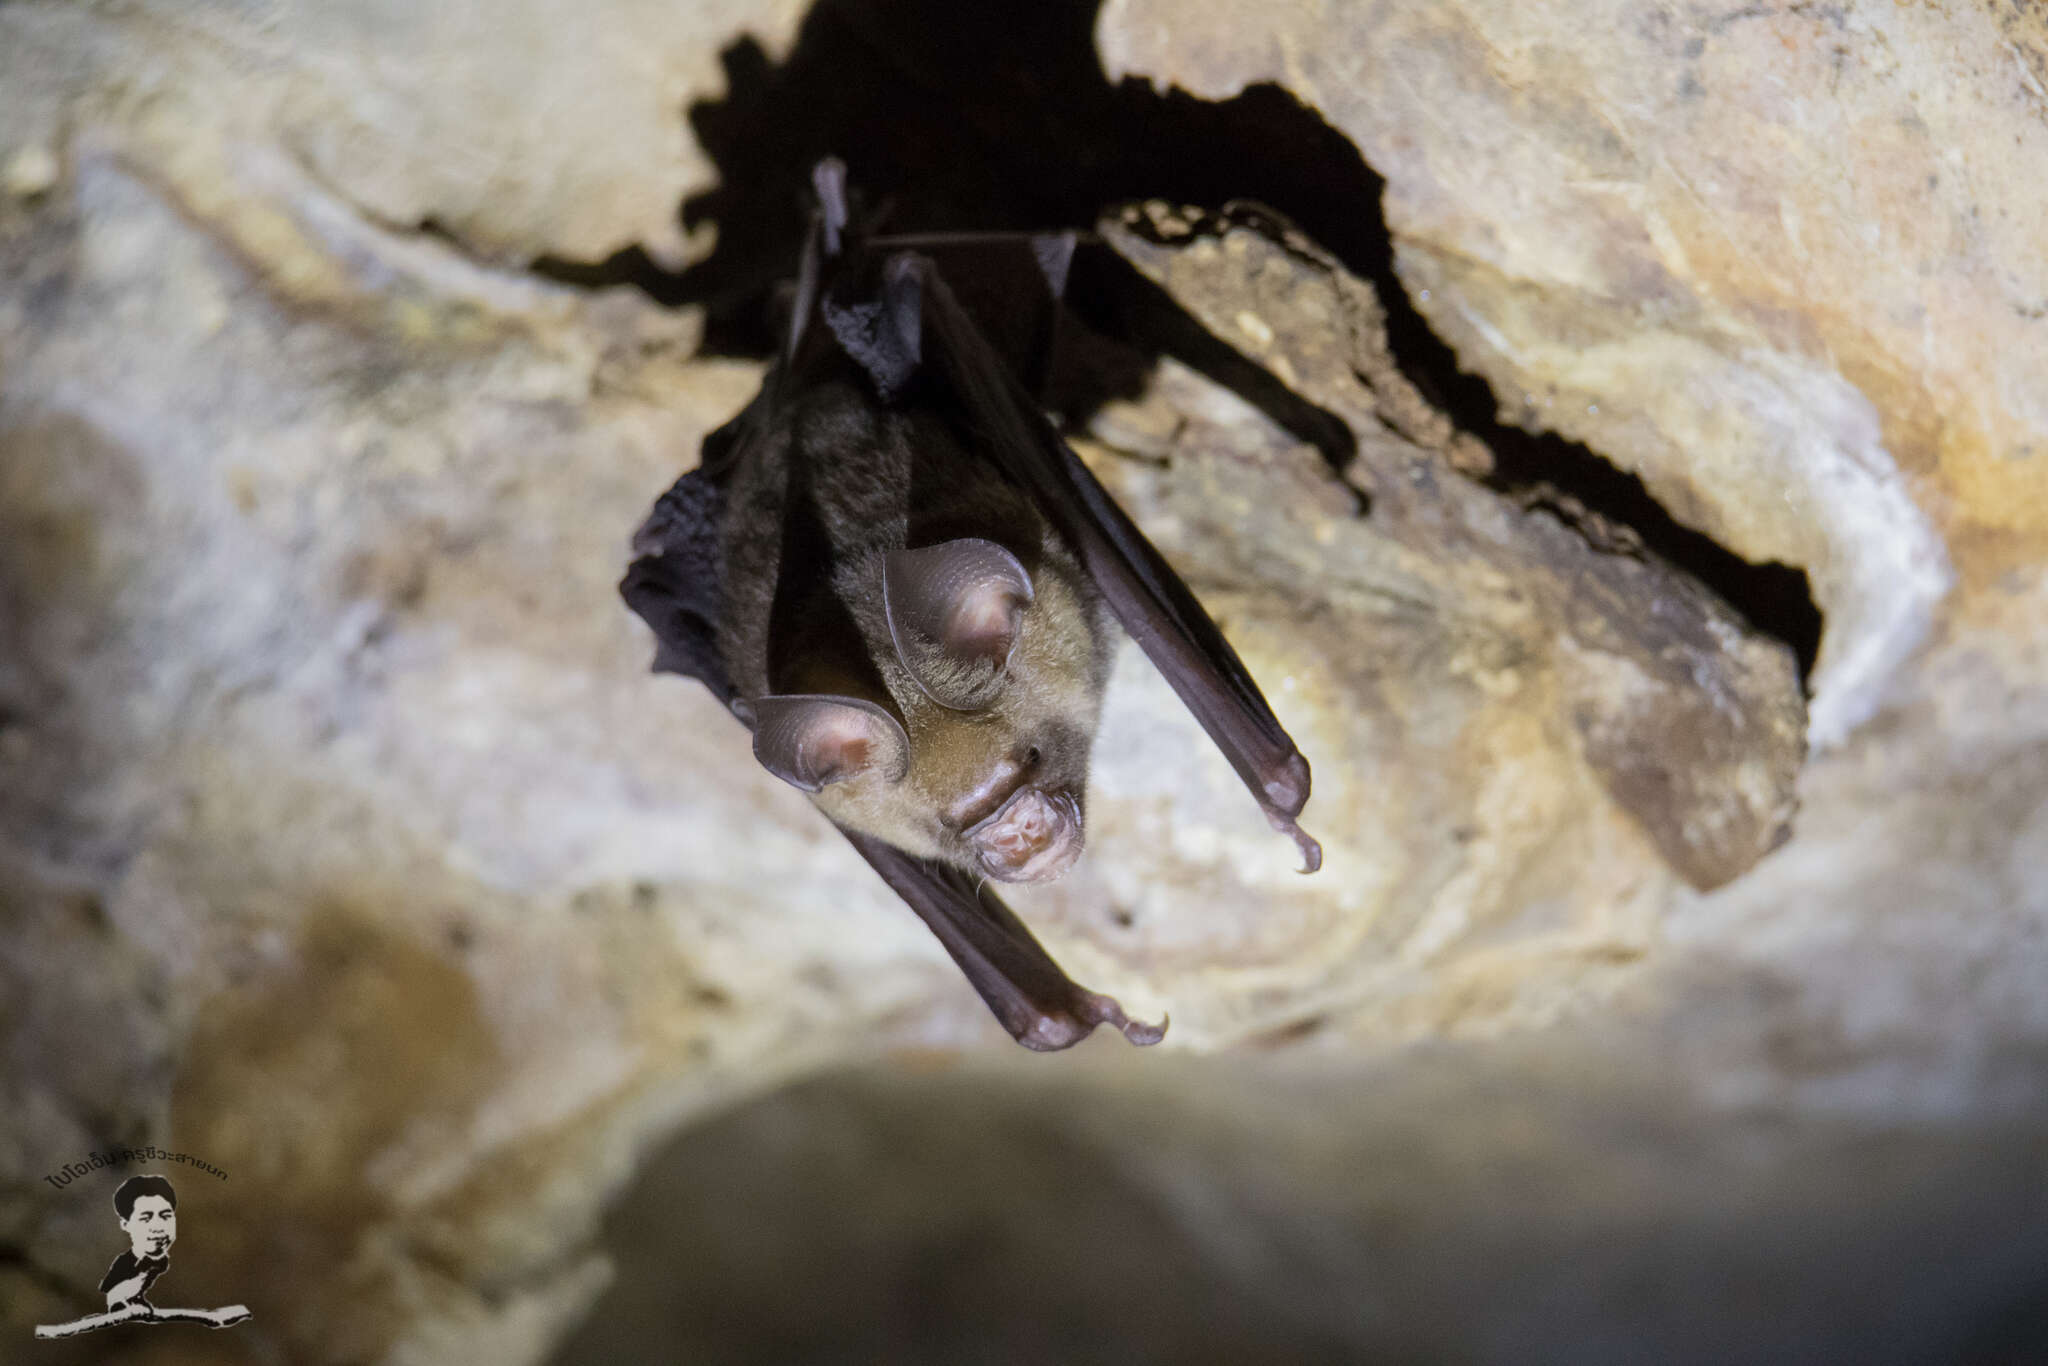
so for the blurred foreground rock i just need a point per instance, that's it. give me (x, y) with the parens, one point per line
(1541, 1203)
(346, 843)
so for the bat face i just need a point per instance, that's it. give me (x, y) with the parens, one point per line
(978, 753)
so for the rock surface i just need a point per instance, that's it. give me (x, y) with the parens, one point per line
(1695, 725)
(1824, 220)
(1446, 1208)
(346, 844)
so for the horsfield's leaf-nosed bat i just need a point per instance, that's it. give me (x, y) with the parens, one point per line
(891, 568)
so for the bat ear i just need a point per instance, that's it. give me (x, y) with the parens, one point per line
(954, 613)
(811, 741)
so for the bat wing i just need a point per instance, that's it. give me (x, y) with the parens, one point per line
(1040, 1005)
(935, 331)
(674, 584)
(675, 581)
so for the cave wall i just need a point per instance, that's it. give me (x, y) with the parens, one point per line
(349, 845)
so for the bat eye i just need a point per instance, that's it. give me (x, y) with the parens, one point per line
(955, 610)
(811, 741)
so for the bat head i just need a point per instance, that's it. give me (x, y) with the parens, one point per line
(979, 755)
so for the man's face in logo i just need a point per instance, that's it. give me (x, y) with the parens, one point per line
(152, 1226)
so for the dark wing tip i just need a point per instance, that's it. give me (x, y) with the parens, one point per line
(1287, 785)
(1286, 792)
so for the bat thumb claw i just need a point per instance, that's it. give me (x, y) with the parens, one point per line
(1311, 848)
(1142, 1034)
(1053, 1031)
(1286, 792)
(1100, 1009)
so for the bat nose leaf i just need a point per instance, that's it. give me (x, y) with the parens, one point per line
(1034, 838)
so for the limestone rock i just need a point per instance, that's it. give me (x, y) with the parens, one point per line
(1783, 262)
(347, 845)
(1695, 725)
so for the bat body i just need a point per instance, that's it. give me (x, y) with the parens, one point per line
(894, 572)
(823, 601)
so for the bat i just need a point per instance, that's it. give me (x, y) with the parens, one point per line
(892, 569)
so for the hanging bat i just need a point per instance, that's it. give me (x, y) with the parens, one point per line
(893, 571)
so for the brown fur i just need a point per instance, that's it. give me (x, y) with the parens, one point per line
(814, 507)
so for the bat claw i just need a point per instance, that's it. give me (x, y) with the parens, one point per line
(1141, 1034)
(1286, 792)
(1311, 848)
(1051, 1032)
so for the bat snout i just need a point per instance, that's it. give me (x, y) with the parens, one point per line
(1034, 837)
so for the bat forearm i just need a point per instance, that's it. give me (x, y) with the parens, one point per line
(1040, 1006)
(1148, 598)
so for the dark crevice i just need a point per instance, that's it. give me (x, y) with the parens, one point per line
(1542, 470)
(966, 117)
(628, 266)
(1776, 599)
(1111, 300)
